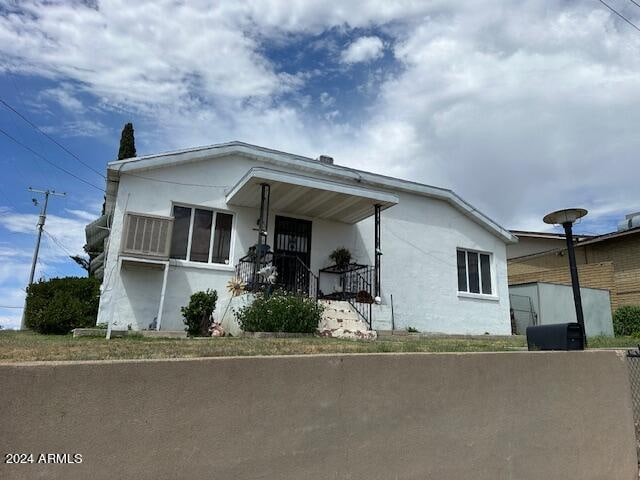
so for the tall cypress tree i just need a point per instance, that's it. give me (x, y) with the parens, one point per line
(127, 143)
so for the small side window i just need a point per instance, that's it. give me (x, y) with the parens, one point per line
(474, 272)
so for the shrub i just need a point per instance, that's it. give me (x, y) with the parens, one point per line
(197, 315)
(59, 305)
(626, 321)
(280, 312)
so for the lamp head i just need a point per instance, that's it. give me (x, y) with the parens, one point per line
(568, 215)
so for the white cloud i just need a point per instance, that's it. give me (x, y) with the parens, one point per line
(520, 106)
(364, 49)
(78, 128)
(177, 51)
(327, 100)
(67, 231)
(518, 122)
(65, 97)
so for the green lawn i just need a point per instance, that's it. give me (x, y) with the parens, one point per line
(27, 346)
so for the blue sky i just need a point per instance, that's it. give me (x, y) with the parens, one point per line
(522, 107)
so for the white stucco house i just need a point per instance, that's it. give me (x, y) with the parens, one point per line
(184, 221)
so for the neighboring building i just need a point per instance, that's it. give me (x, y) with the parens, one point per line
(187, 221)
(610, 262)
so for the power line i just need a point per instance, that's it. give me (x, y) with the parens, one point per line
(39, 155)
(620, 15)
(35, 127)
(10, 306)
(635, 3)
(58, 243)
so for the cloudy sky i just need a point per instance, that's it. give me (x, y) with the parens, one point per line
(520, 106)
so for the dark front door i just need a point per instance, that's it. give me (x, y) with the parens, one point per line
(292, 249)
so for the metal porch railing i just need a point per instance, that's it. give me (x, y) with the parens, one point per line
(292, 275)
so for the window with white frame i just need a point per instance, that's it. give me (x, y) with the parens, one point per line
(201, 235)
(474, 272)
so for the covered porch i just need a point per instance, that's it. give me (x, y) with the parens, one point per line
(281, 256)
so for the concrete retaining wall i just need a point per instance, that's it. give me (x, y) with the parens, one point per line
(564, 415)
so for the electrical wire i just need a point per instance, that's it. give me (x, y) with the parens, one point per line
(635, 3)
(421, 250)
(20, 98)
(185, 184)
(58, 243)
(9, 306)
(619, 14)
(35, 127)
(39, 155)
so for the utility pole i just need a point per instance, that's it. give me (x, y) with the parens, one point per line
(41, 219)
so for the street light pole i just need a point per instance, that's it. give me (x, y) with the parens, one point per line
(575, 283)
(566, 218)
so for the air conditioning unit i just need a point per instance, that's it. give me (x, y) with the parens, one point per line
(146, 236)
(631, 221)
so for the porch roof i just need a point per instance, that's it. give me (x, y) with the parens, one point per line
(309, 196)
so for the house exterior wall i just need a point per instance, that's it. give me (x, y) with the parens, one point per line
(121, 305)
(419, 241)
(612, 264)
(420, 236)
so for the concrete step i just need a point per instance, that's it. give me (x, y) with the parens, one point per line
(340, 320)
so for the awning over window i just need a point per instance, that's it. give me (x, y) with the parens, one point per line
(309, 196)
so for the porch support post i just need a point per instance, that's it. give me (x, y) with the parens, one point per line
(165, 274)
(378, 252)
(263, 225)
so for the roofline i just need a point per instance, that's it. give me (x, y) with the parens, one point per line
(553, 283)
(610, 236)
(590, 241)
(305, 163)
(551, 235)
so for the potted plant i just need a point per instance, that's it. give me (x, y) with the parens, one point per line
(341, 257)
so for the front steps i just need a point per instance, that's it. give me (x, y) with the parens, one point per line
(340, 320)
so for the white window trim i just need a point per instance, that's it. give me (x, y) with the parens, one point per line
(176, 262)
(208, 264)
(479, 296)
(483, 296)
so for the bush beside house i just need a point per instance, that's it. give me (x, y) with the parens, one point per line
(626, 321)
(59, 305)
(198, 314)
(280, 312)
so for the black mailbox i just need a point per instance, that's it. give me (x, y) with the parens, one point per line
(559, 336)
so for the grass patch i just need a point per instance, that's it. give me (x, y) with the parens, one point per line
(29, 346)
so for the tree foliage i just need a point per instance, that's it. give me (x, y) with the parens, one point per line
(59, 305)
(127, 143)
